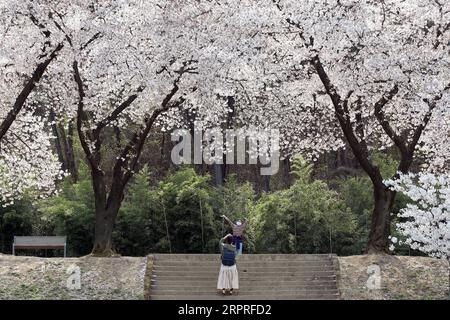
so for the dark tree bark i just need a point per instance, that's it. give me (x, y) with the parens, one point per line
(69, 162)
(287, 180)
(218, 174)
(58, 140)
(108, 199)
(380, 226)
(266, 183)
(28, 87)
(383, 197)
(70, 154)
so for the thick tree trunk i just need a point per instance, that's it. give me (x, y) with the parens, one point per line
(107, 204)
(380, 227)
(106, 210)
(354, 134)
(104, 226)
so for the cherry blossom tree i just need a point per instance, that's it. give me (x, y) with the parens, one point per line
(381, 67)
(130, 63)
(29, 44)
(27, 163)
(376, 71)
(120, 81)
(425, 223)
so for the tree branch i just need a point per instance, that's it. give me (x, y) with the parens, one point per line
(359, 149)
(116, 112)
(399, 141)
(81, 117)
(95, 37)
(27, 89)
(128, 161)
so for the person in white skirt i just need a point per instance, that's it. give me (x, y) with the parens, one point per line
(228, 275)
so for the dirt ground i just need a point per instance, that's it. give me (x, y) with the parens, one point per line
(57, 278)
(401, 277)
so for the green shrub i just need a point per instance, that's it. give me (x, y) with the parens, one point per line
(15, 220)
(301, 218)
(71, 213)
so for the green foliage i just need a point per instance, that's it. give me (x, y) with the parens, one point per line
(184, 198)
(301, 218)
(139, 227)
(235, 201)
(386, 163)
(174, 216)
(71, 213)
(15, 220)
(357, 193)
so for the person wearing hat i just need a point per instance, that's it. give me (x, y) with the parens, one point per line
(238, 232)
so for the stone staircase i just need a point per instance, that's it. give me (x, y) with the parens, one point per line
(261, 277)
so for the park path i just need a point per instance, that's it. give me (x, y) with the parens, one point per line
(261, 277)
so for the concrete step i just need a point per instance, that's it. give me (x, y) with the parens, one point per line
(242, 263)
(244, 257)
(259, 274)
(245, 283)
(248, 268)
(250, 282)
(250, 297)
(244, 290)
(261, 277)
(190, 280)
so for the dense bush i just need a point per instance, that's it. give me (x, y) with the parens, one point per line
(302, 218)
(174, 216)
(70, 213)
(15, 220)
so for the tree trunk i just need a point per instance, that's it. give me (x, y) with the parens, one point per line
(104, 226)
(167, 227)
(201, 224)
(106, 210)
(107, 204)
(287, 172)
(65, 143)
(58, 142)
(70, 154)
(266, 184)
(380, 227)
(218, 174)
(354, 134)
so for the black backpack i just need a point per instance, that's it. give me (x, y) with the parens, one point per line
(228, 257)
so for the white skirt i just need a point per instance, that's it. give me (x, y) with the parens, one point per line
(228, 278)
